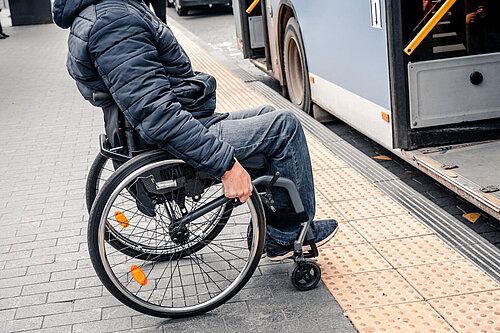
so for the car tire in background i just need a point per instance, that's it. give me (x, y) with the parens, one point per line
(295, 67)
(181, 11)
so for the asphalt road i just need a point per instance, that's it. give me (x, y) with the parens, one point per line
(215, 26)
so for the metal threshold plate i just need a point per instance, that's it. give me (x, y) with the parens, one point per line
(473, 168)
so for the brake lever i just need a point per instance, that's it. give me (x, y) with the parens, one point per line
(267, 197)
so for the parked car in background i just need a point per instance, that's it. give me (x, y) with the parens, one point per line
(182, 6)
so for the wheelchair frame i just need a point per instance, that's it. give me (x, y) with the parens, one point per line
(302, 268)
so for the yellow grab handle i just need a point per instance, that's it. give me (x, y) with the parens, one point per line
(429, 26)
(252, 6)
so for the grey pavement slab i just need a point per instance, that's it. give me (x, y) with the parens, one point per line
(49, 139)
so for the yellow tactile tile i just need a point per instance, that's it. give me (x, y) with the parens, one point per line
(347, 191)
(350, 259)
(346, 235)
(321, 159)
(410, 317)
(325, 210)
(447, 279)
(370, 289)
(390, 227)
(341, 175)
(416, 251)
(474, 313)
(368, 207)
(232, 93)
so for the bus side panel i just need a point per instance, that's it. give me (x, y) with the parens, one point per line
(348, 59)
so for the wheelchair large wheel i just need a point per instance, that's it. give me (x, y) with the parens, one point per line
(102, 168)
(181, 269)
(100, 171)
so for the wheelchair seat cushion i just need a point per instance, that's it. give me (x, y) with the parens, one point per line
(255, 163)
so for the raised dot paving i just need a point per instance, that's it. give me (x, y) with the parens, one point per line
(354, 291)
(350, 259)
(390, 227)
(416, 251)
(410, 317)
(475, 312)
(447, 278)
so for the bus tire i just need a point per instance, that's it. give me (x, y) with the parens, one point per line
(295, 67)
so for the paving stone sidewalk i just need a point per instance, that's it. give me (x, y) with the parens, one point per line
(49, 139)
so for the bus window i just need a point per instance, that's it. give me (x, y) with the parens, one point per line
(469, 27)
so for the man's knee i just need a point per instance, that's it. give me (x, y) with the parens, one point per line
(287, 120)
(266, 109)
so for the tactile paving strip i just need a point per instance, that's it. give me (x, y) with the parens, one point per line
(232, 93)
(341, 175)
(371, 289)
(410, 317)
(474, 313)
(350, 259)
(447, 279)
(368, 208)
(325, 210)
(347, 191)
(322, 158)
(346, 235)
(390, 227)
(416, 251)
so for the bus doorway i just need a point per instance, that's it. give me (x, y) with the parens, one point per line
(453, 95)
(419, 77)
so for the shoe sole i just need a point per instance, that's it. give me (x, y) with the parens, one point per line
(304, 248)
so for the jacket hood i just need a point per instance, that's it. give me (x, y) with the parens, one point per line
(65, 11)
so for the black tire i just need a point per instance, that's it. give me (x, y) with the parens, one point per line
(97, 247)
(306, 275)
(93, 185)
(296, 72)
(170, 3)
(181, 11)
(94, 180)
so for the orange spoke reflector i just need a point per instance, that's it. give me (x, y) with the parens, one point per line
(122, 219)
(139, 275)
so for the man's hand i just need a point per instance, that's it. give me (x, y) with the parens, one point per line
(237, 183)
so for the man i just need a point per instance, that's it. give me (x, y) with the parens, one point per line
(3, 35)
(119, 46)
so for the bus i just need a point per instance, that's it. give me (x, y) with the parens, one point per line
(421, 78)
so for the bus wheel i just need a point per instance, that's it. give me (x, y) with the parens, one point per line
(296, 72)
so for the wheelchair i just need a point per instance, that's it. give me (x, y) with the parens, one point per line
(165, 241)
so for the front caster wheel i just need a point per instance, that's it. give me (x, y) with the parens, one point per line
(306, 275)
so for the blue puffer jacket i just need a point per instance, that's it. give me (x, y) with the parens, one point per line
(121, 47)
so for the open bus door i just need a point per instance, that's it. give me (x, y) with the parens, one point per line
(252, 32)
(446, 92)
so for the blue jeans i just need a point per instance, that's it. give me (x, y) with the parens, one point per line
(278, 135)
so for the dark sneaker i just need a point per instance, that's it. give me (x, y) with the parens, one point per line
(324, 231)
(4, 34)
(276, 252)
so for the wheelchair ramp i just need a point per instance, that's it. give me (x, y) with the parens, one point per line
(390, 266)
(470, 169)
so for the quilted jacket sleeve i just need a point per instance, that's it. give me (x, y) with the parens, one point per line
(123, 49)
